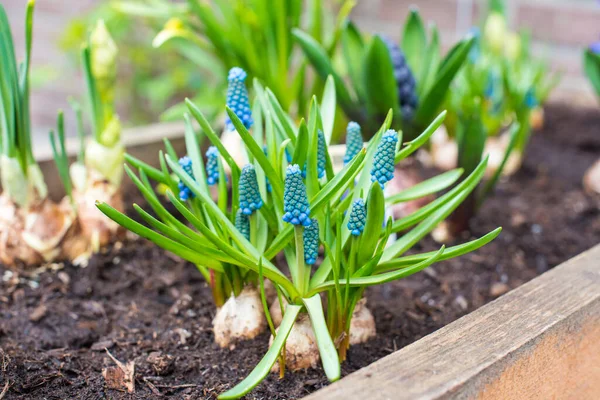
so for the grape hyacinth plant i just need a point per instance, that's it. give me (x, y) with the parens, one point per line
(411, 78)
(492, 108)
(341, 213)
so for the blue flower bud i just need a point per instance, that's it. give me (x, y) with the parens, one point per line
(383, 162)
(354, 141)
(531, 99)
(405, 80)
(321, 153)
(184, 192)
(212, 165)
(242, 223)
(358, 217)
(295, 202)
(237, 98)
(311, 242)
(250, 199)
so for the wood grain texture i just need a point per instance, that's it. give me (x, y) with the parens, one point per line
(539, 341)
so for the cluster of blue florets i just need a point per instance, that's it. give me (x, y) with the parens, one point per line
(242, 223)
(212, 165)
(358, 217)
(250, 199)
(295, 202)
(237, 98)
(354, 141)
(383, 162)
(184, 192)
(405, 80)
(311, 242)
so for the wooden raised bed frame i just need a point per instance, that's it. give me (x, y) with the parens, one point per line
(539, 341)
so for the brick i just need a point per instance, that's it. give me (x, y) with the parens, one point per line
(573, 24)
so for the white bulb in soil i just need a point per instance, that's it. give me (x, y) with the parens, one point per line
(301, 351)
(496, 149)
(591, 179)
(362, 326)
(240, 318)
(444, 150)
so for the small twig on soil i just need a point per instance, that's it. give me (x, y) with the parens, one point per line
(5, 390)
(152, 387)
(187, 385)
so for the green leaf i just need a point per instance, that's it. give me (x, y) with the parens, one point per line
(379, 81)
(470, 137)
(591, 67)
(353, 51)
(328, 108)
(449, 253)
(192, 146)
(258, 154)
(431, 102)
(413, 236)
(200, 255)
(264, 366)
(420, 140)
(430, 63)
(427, 187)
(379, 279)
(414, 41)
(318, 57)
(153, 173)
(491, 183)
(301, 151)
(375, 216)
(329, 355)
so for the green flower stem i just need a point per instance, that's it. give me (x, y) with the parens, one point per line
(300, 267)
(253, 228)
(217, 285)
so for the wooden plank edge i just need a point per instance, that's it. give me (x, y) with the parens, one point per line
(537, 341)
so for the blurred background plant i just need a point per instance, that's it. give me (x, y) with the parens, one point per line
(374, 74)
(150, 81)
(591, 65)
(254, 35)
(494, 104)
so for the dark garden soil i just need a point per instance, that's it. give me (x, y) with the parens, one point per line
(150, 308)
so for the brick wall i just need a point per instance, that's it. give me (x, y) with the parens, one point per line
(560, 28)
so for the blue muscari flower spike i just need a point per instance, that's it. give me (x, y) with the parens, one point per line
(250, 199)
(295, 202)
(321, 153)
(242, 223)
(405, 80)
(530, 99)
(237, 98)
(184, 192)
(311, 242)
(354, 141)
(383, 162)
(212, 165)
(358, 217)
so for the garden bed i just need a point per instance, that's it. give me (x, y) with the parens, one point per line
(147, 306)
